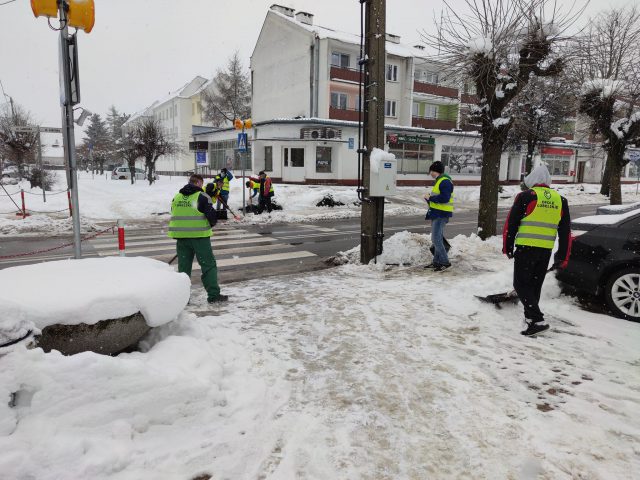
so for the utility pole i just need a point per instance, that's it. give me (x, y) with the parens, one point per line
(372, 216)
(68, 135)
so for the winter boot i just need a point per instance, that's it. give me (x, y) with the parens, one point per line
(219, 298)
(533, 328)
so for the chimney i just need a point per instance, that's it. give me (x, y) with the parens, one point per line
(305, 17)
(419, 47)
(284, 10)
(393, 38)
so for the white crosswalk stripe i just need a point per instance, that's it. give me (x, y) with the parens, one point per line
(275, 257)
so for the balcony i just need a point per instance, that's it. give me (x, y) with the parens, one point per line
(346, 74)
(343, 114)
(432, 89)
(468, 98)
(432, 123)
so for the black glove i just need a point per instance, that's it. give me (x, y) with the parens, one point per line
(510, 255)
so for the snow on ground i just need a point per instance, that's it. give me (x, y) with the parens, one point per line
(372, 372)
(70, 292)
(106, 200)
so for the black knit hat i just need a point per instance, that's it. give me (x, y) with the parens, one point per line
(437, 167)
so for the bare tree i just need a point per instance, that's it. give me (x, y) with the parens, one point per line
(229, 96)
(539, 113)
(607, 58)
(18, 147)
(500, 45)
(130, 149)
(152, 143)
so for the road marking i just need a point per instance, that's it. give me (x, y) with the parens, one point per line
(214, 240)
(231, 262)
(170, 244)
(217, 252)
(109, 240)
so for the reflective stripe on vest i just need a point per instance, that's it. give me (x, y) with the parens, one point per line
(225, 184)
(186, 221)
(446, 207)
(540, 227)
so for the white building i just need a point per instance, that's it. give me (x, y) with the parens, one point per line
(176, 112)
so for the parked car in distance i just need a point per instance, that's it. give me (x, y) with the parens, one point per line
(123, 173)
(605, 260)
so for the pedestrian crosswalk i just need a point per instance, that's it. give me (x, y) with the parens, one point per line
(232, 247)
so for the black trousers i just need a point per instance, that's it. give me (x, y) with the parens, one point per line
(265, 202)
(529, 270)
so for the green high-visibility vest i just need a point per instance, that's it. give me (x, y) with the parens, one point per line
(540, 227)
(225, 183)
(447, 207)
(254, 185)
(186, 220)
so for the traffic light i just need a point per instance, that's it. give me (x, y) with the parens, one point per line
(81, 13)
(241, 125)
(44, 8)
(247, 123)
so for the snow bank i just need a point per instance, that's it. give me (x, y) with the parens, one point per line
(87, 291)
(610, 219)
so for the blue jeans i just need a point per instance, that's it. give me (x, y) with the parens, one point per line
(437, 238)
(225, 197)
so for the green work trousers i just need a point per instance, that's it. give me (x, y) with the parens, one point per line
(187, 248)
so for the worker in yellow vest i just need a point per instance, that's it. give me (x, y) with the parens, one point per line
(538, 216)
(192, 217)
(440, 202)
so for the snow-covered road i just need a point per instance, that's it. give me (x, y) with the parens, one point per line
(367, 372)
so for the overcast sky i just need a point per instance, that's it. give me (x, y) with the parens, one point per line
(141, 49)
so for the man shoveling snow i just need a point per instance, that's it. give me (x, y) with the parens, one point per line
(537, 217)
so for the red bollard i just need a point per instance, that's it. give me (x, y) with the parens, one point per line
(121, 238)
(24, 209)
(69, 198)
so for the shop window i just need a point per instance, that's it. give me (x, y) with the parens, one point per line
(413, 158)
(461, 160)
(294, 157)
(323, 159)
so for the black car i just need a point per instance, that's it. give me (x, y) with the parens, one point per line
(605, 260)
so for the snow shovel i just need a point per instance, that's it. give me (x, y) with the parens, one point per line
(235, 215)
(498, 299)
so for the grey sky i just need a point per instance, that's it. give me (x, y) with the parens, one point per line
(141, 49)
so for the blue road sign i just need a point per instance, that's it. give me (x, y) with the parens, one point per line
(242, 142)
(352, 143)
(201, 158)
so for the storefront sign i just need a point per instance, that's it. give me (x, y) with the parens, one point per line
(400, 139)
(556, 151)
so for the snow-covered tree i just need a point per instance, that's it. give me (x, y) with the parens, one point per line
(607, 58)
(98, 141)
(115, 120)
(131, 150)
(153, 143)
(499, 45)
(229, 96)
(539, 113)
(17, 147)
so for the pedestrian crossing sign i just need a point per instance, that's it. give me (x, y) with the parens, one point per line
(242, 142)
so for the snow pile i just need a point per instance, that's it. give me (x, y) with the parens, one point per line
(37, 224)
(87, 291)
(610, 219)
(377, 156)
(502, 121)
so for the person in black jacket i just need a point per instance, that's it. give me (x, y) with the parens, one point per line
(538, 215)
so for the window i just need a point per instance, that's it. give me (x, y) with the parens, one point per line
(430, 111)
(340, 60)
(390, 108)
(557, 164)
(268, 159)
(225, 154)
(461, 160)
(414, 109)
(357, 105)
(413, 157)
(392, 73)
(294, 157)
(339, 100)
(426, 77)
(323, 159)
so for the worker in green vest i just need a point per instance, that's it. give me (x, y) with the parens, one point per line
(192, 217)
(226, 176)
(440, 202)
(538, 215)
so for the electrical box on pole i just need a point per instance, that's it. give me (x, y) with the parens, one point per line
(384, 172)
(372, 216)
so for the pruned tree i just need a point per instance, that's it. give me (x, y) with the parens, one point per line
(97, 141)
(539, 113)
(229, 96)
(499, 45)
(17, 146)
(153, 143)
(607, 58)
(130, 151)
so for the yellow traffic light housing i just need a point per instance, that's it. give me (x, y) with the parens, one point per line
(237, 123)
(248, 123)
(44, 8)
(82, 14)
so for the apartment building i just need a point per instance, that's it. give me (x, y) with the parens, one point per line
(176, 113)
(305, 108)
